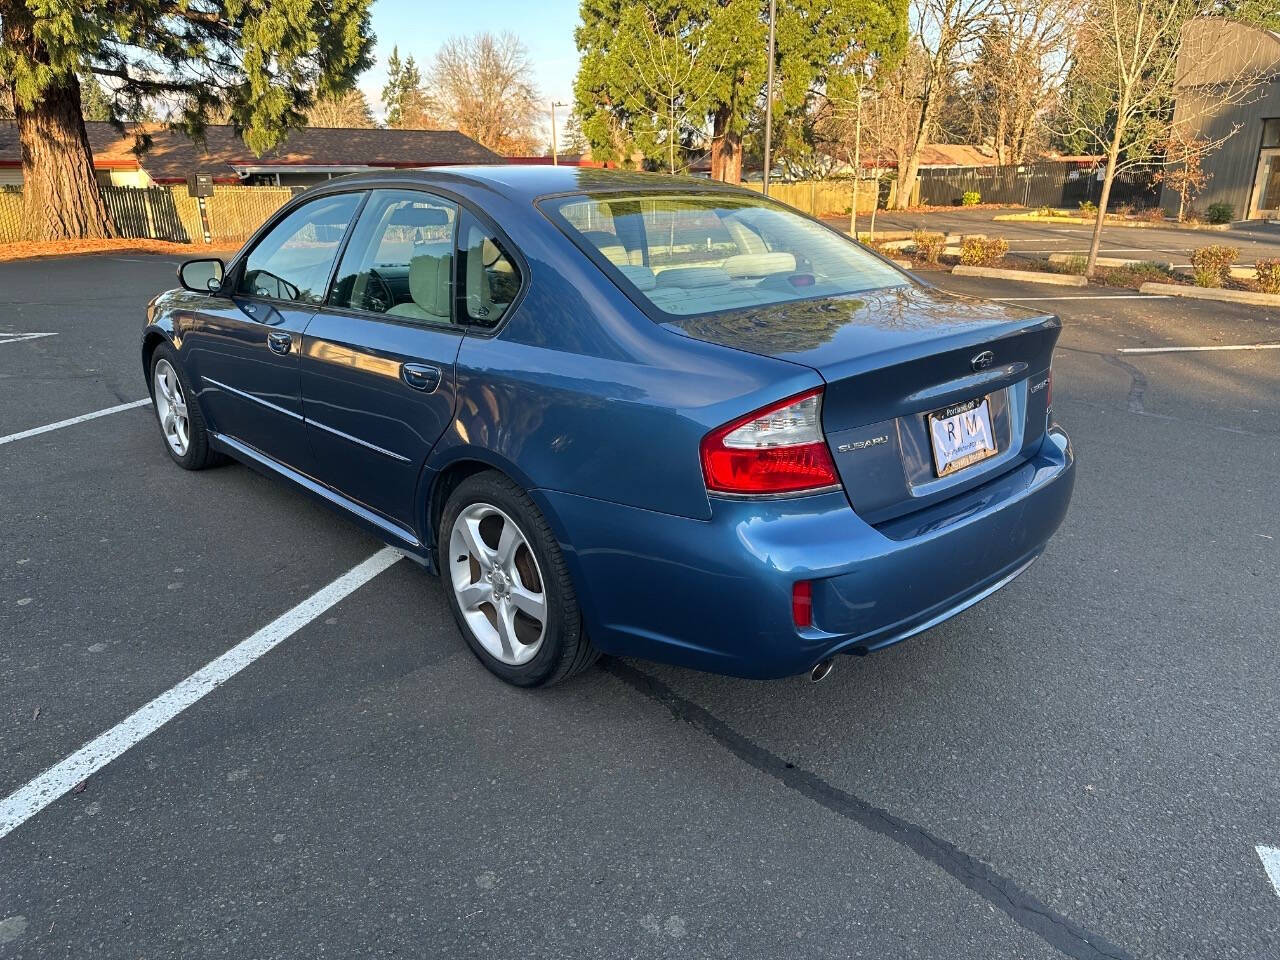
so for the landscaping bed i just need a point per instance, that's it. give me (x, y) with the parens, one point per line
(26, 250)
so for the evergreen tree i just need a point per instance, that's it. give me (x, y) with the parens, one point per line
(723, 52)
(404, 97)
(94, 102)
(264, 60)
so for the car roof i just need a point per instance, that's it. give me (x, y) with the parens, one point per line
(528, 182)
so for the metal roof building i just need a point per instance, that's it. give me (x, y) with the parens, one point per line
(1216, 57)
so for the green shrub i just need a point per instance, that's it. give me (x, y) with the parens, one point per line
(983, 251)
(971, 198)
(1269, 276)
(1212, 265)
(928, 246)
(1136, 274)
(1088, 208)
(1221, 213)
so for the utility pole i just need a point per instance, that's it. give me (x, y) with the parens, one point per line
(555, 153)
(768, 102)
(857, 158)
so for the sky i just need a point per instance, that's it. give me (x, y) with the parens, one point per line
(545, 27)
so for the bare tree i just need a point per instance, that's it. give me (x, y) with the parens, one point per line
(1019, 68)
(349, 110)
(1151, 71)
(891, 119)
(945, 32)
(1185, 174)
(482, 85)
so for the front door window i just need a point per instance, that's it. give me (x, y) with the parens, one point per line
(293, 261)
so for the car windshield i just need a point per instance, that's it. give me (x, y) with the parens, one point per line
(691, 253)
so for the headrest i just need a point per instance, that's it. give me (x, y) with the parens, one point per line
(692, 277)
(640, 277)
(420, 215)
(759, 264)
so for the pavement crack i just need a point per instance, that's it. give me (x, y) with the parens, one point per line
(1001, 892)
(1137, 382)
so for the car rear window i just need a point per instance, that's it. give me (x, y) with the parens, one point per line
(693, 253)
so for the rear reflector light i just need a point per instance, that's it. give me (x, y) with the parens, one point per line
(802, 603)
(777, 449)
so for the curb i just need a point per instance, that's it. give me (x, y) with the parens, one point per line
(1139, 224)
(1211, 293)
(1237, 272)
(1027, 276)
(1108, 261)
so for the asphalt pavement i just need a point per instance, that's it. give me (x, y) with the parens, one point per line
(1253, 238)
(1083, 765)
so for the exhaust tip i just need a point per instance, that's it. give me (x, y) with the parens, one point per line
(821, 670)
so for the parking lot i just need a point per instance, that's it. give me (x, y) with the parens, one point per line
(1083, 765)
(1254, 239)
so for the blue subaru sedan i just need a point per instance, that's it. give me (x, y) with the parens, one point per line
(625, 414)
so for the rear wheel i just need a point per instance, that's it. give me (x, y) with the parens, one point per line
(508, 586)
(181, 424)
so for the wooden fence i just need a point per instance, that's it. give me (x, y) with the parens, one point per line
(821, 198)
(10, 215)
(168, 213)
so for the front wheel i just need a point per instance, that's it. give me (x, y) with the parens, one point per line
(181, 424)
(508, 586)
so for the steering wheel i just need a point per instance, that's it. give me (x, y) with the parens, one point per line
(380, 300)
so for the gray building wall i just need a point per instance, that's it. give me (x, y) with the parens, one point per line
(1214, 52)
(1234, 166)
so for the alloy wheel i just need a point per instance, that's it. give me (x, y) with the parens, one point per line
(171, 408)
(497, 583)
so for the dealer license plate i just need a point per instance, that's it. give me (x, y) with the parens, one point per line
(961, 435)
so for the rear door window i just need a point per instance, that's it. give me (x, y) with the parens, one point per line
(488, 274)
(293, 261)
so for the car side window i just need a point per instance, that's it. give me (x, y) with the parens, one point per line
(292, 262)
(400, 258)
(488, 274)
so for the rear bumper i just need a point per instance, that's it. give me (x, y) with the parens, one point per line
(716, 595)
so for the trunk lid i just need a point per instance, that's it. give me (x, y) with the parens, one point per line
(890, 357)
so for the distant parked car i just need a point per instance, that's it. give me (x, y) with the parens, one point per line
(624, 413)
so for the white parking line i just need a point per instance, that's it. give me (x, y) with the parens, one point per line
(1105, 296)
(29, 800)
(1231, 346)
(21, 337)
(36, 431)
(1270, 857)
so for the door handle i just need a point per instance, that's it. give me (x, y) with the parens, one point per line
(280, 343)
(420, 376)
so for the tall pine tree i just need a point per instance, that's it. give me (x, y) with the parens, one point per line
(263, 60)
(404, 96)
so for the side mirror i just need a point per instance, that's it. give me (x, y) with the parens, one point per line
(201, 276)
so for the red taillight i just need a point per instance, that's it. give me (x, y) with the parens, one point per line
(777, 449)
(802, 603)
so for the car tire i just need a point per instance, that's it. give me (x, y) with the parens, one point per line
(494, 578)
(182, 426)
